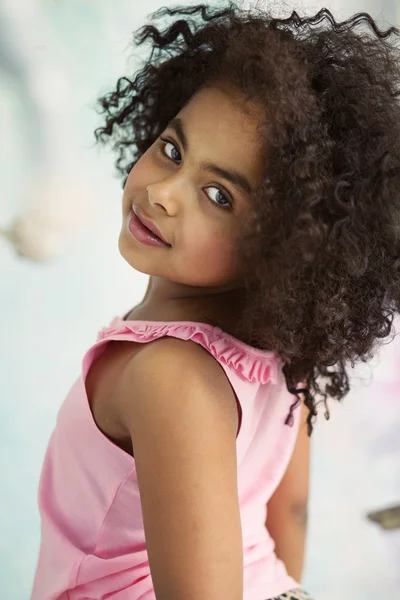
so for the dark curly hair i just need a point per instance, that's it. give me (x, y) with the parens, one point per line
(322, 241)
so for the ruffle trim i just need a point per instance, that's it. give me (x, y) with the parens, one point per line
(253, 364)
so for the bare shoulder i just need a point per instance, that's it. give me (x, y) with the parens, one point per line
(181, 414)
(184, 369)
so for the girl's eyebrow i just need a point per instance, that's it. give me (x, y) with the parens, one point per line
(237, 179)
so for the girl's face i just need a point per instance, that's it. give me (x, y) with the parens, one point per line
(194, 183)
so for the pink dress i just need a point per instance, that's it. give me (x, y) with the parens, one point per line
(92, 535)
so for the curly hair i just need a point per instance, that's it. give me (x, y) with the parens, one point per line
(322, 240)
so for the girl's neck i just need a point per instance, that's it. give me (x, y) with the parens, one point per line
(219, 314)
(172, 312)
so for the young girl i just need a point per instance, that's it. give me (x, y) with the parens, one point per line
(261, 164)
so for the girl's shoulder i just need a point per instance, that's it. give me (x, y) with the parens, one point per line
(183, 345)
(114, 377)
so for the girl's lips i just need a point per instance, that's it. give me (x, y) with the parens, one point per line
(142, 234)
(148, 223)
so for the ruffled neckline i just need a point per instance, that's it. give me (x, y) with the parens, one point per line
(251, 363)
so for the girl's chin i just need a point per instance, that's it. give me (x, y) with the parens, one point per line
(136, 257)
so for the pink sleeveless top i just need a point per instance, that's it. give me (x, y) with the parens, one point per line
(92, 535)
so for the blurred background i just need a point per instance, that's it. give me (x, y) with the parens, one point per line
(60, 206)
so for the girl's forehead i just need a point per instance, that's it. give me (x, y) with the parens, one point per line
(224, 106)
(221, 126)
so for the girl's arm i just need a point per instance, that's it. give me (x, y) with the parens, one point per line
(181, 413)
(287, 508)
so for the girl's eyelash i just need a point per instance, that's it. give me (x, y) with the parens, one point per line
(167, 141)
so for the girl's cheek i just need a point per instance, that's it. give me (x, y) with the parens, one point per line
(205, 234)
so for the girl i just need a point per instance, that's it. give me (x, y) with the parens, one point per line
(261, 165)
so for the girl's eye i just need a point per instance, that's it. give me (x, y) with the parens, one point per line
(224, 199)
(166, 142)
(226, 202)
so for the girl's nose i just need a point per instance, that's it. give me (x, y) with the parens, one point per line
(169, 194)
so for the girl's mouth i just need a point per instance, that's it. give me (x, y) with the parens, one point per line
(142, 234)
